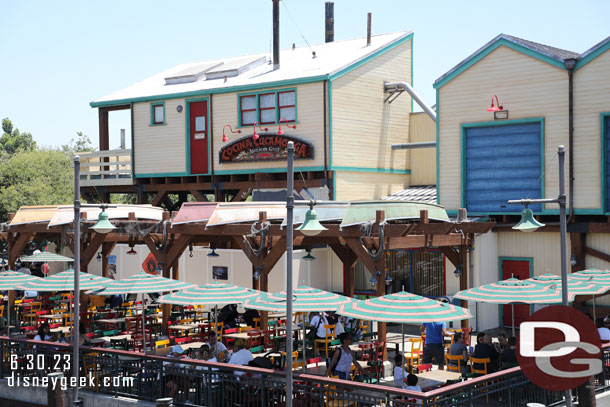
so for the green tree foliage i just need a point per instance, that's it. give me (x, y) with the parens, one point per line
(81, 143)
(36, 177)
(12, 140)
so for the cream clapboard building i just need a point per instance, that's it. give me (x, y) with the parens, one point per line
(486, 158)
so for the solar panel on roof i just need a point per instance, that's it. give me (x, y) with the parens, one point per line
(191, 74)
(235, 67)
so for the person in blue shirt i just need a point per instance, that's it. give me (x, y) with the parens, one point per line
(435, 334)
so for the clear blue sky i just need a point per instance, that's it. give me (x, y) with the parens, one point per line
(60, 55)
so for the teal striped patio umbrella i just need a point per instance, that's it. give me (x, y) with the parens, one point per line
(13, 280)
(600, 277)
(45, 257)
(210, 294)
(141, 283)
(304, 299)
(575, 286)
(64, 281)
(511, 291)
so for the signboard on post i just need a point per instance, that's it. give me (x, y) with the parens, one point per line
(150, 265)
(267, 147)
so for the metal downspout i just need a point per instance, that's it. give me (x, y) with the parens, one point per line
(414, 95)
(570, 64)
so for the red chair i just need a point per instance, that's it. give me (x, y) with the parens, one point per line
(366, 350)
(204, 332)
(269, 339)
(185, 339)
(378, 350)
(317, 361)
(229, 341)
(424, 368)
(55, 325)
(254, 338)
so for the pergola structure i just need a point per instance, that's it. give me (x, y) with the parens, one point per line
(355, 231)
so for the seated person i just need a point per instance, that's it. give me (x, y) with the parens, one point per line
(44, 333)
(459, 348)
(508, 357)
(228, 316)
(241, 355)
(173, 381)
(249, 316)
(400, 374)
(484, 349)
(602, 328)
(318, 322)
(217, 349)
(502, 341)
(412, 385)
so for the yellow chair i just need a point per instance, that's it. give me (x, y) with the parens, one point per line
(218, 327)
(257, 323)
(480, 361)
(363, 326)
(245, 328)
(414, 357)
(161, 344)
(325, 343)
(295, 357)
(456, 358)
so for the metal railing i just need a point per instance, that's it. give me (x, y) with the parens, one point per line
(199, 383)
(108, 167)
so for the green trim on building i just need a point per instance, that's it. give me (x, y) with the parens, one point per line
(258, 112)
(267, 170)
(584, 61)
(206, 92)
(152, 113)
(330, 124)
(188, 134)
(365, 169)
(162, 174)
(465, 126)
(438, 121)
(492, 47)
(374, 55)
(603, 132)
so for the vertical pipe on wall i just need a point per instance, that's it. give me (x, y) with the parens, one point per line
(329, 22)
(368, 29)
(570, 64)
(276, 34)
(325, 134)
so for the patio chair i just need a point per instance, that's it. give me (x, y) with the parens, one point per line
(184, 339)
(295, 363)
(229, 341)
(257, 323)
(424, 368)
(485, 362)
(366, 350)
(112, 332)
(414, 357)
(204, 332)
(161, 344)
(376, 370)
(324, 344)
(255, 338)
(459, 359)
(378, 350)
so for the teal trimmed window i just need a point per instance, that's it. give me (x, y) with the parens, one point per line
(267, 107)
(157, 113)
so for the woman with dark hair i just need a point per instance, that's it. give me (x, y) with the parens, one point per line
(343, 359)
(44, 333)
(83, 339)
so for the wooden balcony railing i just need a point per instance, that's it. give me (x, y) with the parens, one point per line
(106, 168)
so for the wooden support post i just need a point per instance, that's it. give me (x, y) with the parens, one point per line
(380, 265)
(348, 258)
(578, 246)
(464, 279)
(107, 248)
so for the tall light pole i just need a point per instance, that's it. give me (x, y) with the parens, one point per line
(289, 247)
(529, 224)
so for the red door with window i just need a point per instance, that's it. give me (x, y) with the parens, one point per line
(518, 269)
(199, 137)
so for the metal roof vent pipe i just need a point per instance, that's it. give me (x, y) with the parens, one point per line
(276, 34)
(329, 21)
(570, 64)
(368, 29)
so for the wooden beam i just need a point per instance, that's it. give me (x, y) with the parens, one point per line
(362, 254)
(475, 227)
(452, 255)
(464, 278)
(88, 252)
(419, 241)
(347, 256)
(577, 249)
(16, 244)
(241, 195)
(150, 243)
(274, 255)
(107, 248)
(596, 253)
(174, 252)
(200, 197)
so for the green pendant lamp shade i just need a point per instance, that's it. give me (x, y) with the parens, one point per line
(311, 226)
(103, 225)
(309, 256)
(527, 222)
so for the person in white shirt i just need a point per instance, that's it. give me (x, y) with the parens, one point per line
(218, 349)
(412, 385)
(241, 356)
(318, 322)
(400, 374)
(602, 328)
(25, 269)
(30, 294)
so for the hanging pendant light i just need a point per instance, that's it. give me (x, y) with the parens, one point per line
(103, 225)
(527, 223)
(213, 253)
(309, 256)
(311, 226)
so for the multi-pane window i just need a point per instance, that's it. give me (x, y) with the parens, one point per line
(158, 113)
(418, 272)
(267, 107)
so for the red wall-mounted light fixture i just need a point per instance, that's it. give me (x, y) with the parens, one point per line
(224, 136)
(495, 108)
(255, 135)
(280, 132)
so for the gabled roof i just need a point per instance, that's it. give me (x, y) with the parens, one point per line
(297, 65)
(548, 54)
(593, 52)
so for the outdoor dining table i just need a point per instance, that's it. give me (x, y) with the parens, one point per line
(436, 378)
(114, 321)
(62, 329)
(107, 339)
(183, 327)
(53, 316)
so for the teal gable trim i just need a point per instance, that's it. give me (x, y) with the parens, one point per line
(501, 42)
(412, 85)
(374, 55)
(364, 169)
(162, 174)
(206, 92)
(590, 57)
(187, 117)
(267, 170)
(330, 124)
(152, 113)
(465, 126)
(603, 132)
(438, 120)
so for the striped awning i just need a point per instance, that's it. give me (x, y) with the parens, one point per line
(14, 280)
(594, 276)
(141, 283)
(64, 281)
(575, 286)
(512, 290)
(304, 299)
(405, 308)
(210, 294)
(45, 257)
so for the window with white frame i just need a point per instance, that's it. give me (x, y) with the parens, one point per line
(267, 107)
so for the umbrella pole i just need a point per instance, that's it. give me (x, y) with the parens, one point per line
(8, 323)
(304, 347)
(512, 311)
(594, 309)
(143, 328)
(402, 352)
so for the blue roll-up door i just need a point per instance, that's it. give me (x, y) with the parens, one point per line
(606, 130)
(502, 162)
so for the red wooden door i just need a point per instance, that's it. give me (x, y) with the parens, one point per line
(518, 269)
(199, 137)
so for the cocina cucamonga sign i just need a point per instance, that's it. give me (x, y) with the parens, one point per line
(268, 147)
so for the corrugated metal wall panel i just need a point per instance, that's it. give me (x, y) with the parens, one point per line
(502, 163)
